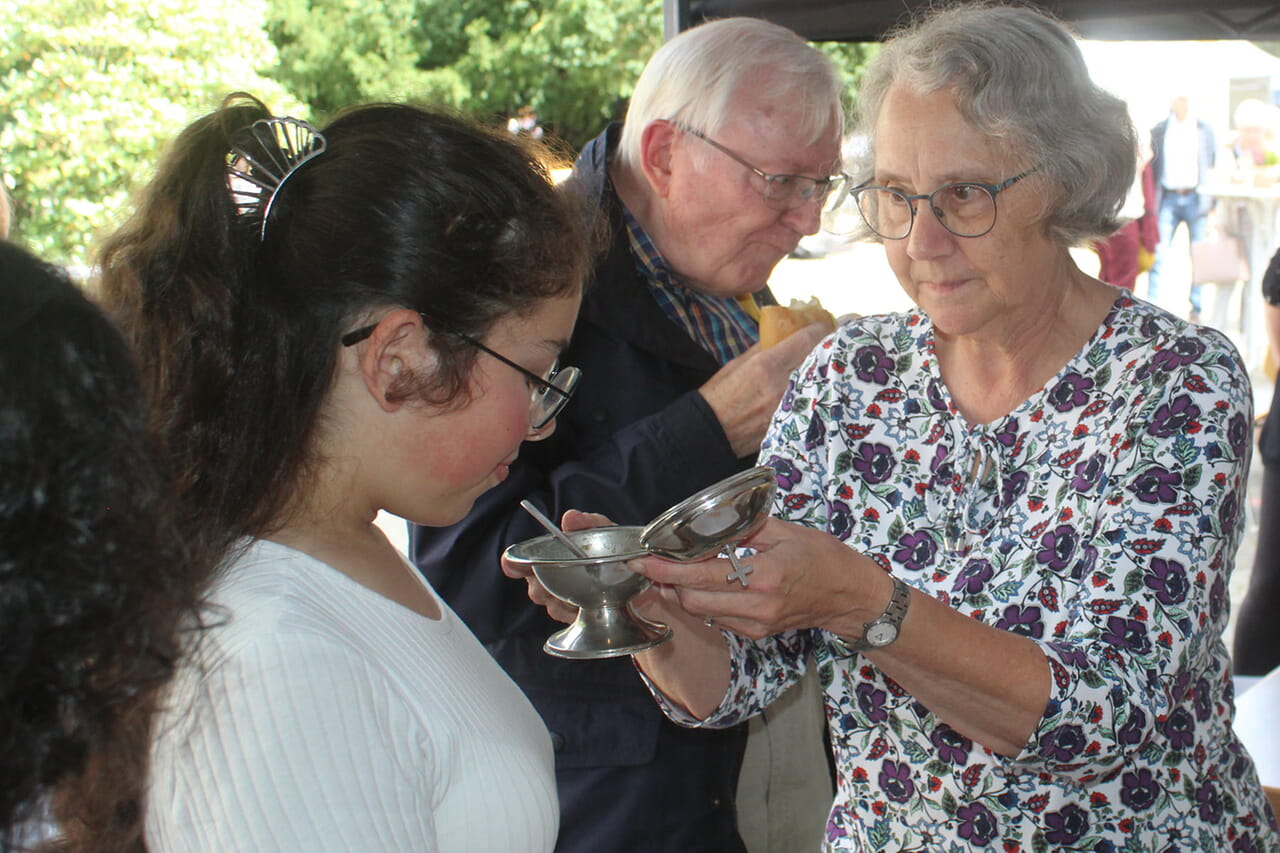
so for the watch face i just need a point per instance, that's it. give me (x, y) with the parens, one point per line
(881, 634)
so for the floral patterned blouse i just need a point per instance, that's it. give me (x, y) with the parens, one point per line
(1100, 518)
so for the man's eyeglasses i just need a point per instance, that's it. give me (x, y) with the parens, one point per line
(965, 208)
(781, 192)
(548, 395)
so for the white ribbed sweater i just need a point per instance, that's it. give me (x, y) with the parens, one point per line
(324, 717)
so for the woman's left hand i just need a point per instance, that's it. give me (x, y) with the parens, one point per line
(799, 578)
(557, 609)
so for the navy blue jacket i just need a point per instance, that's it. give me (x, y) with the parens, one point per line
(635, 439)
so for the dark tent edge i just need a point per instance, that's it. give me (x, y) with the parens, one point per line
(1115, 20)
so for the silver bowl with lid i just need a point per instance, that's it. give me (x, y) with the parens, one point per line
(601, 586)
(714, 518)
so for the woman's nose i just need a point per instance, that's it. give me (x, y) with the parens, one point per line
(929, 237)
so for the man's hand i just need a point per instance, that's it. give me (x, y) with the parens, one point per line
(746, 391)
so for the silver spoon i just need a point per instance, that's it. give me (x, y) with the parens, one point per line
(554, 530)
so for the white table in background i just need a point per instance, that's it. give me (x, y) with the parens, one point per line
(1261, 235)
(1257, 724)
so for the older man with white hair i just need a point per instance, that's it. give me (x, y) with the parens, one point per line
(730, 147)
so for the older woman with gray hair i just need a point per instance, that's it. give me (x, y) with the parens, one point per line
(1006, 518)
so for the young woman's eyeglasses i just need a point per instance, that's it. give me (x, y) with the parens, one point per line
(965, 208)
(548, 393)
(781, 192)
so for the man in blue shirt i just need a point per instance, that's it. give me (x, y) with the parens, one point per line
(1183, 153)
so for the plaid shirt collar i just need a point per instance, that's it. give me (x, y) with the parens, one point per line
(723, 326)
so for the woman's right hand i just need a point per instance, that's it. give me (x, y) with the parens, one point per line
(659, 603)
(559, 610)
(692, 669)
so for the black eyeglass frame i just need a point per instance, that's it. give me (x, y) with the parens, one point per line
(821, 189)
(993, 190)
(357, 335)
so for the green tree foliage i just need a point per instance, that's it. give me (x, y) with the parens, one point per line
(572, 61)
(91, 89)
(851, 59)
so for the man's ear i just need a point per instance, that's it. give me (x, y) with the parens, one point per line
(396, 347)
(656, 148)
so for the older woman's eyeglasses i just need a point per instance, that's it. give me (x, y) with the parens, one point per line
(548, 393)
(965, 208)
(781, 192)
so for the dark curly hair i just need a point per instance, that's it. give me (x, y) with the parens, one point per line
(238, 333)
(93, 578)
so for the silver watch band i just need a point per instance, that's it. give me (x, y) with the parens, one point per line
(894, 612)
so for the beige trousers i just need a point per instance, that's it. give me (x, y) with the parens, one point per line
(784, 789)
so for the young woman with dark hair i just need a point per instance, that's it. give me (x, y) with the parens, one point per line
(333, 323)
(93, 578)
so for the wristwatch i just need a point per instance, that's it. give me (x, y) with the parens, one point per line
(879, 632)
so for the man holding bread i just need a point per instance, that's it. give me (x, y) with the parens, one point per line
(730, 147)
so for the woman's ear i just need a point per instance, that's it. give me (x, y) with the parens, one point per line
(396, 347)
(656, 143)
